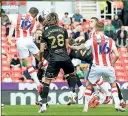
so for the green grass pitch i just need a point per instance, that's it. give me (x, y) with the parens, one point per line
(61, 110)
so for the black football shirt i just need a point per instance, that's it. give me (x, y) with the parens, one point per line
(55, 37)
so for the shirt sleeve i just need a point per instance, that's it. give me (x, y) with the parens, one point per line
(88, 43)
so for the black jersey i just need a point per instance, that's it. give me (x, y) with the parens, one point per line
(55, 37)
(84, 55)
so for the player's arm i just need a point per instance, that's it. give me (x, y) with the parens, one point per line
(115, 51)
(34, 29)
(77, 47)
(82, 46)
(42, 46)
(66, 38)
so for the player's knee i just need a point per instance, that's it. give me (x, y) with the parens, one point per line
(48, 81)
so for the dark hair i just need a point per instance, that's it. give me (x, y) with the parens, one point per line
(51, 19)
(96, 19)
(41, 19)
(66, 13)
(2, 11)
(33, 11)
(7, 74)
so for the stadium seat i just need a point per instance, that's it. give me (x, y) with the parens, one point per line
(12, 2)
(125, 60)
(6, 48)
(21, 3)
(3, 32)
(17, 70)
(4, 38)
(120, 78)
(124, 55)
(17, 80)
(4, 2)
(4, 41)
(4, 44)
(13, 50)
(5, 68)
(17, 75)
(5, 63)
(120, 73)
(123, 49)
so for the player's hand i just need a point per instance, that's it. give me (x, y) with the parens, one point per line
(73, 47)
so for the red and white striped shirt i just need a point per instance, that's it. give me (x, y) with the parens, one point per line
(24, 25)
(102, 49)
(92, 34)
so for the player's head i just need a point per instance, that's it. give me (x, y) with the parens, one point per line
(38, 33)
(51, 20)
(99, 27)
(41, 19)
(5, 20)
(33, 11)
(93, 22)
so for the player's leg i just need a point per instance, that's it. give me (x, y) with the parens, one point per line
(88, 93)
(68, 69)
(81, 87)
(122, 103)
(104, 88)
(41, 77)
(23, 49)
(94, 75)
(51, 72)
(110, 72)
(72, 94)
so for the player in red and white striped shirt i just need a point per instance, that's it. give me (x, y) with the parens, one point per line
(25, 26)
(102, 48)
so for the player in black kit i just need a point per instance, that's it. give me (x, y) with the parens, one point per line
(84, 55)
(56, 39)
